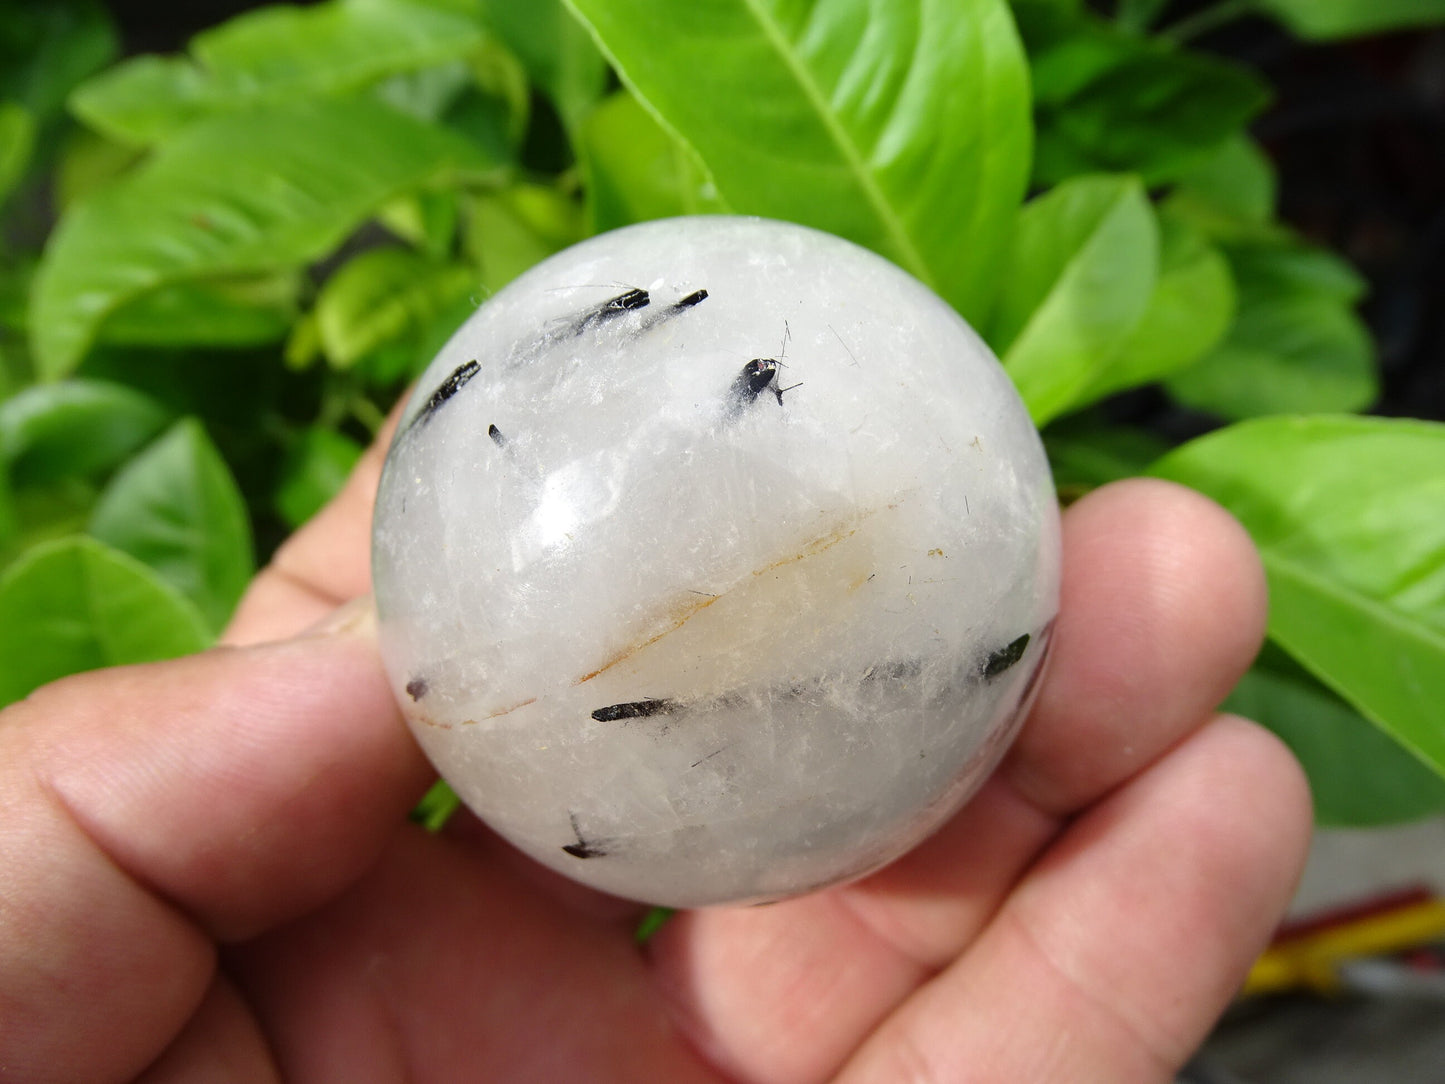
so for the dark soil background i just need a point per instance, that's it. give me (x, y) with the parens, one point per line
(1357, 131)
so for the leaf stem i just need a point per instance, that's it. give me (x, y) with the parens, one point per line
(1207, 19)
(368, 413)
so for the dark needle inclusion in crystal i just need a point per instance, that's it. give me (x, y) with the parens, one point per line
(449, 387)
(636, 709)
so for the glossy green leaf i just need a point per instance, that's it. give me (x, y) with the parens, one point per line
(1296, 345)
(17, 138)
(1077, 283)
(76, 427)
(238, 194)
(76, 604)
(236, 312)
(1358, 776)
(1325, 20)
(272, 55)
(901, 126)
(636, 170)
(315, 469)
(557, 52)
(1190, 311)
(382, 296)
(176, 508)
(1346, 513)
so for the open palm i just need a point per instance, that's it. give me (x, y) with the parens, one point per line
(207, 874)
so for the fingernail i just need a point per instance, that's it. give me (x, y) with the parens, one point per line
(349, 619)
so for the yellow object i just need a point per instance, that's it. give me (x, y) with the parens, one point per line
(1311, 960)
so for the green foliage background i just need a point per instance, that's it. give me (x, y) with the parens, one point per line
(258, 242)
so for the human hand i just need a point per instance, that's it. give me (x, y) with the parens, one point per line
(205, 872)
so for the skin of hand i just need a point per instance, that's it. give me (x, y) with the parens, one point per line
(206, 873)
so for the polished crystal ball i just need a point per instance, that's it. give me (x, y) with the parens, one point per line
(715, 561)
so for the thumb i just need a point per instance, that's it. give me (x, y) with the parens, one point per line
(146, 811)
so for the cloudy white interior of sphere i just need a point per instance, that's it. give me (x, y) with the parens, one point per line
(691, 643)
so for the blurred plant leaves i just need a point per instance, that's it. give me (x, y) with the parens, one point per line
(1346, 514)
(1106, 100)
(238, 194)
(1079, 280)
(47, 48)
(903, 127)
(636, 170)
(1296, 345)
(176, 509)
(1086, 452)
(76, 604)
(1358, 777)
(1190, 311)
(557, 52)
(316, 467)
(1326, 20)
(220, 312)
(516, 228)
(274, 54)
(1136, 15)
(74, 428)
(17, 140)
(383, 296)
(1230, 195)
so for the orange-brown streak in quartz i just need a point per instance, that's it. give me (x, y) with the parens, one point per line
(686, 612)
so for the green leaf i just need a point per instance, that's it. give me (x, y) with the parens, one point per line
(1085, 453)
(223, 312)
(1107, 99)
(1346, 513)
(555, 50)
(272, 55)
(315, 469)
(77, 427)
(47, 48)
(1157, 113)
(636, 170)
(76, 604)
(1137, 15)
(238, 194)
(1236, 184)
(176, 508)
(1076, 285)
(1296, 345)
(1191, 309)
(516, 228)
(1326, 20)
(1292, 266)
(17, 139)
(382, 296)
(436, 806)
(89, 162)
(902, 126)
(1359, 777)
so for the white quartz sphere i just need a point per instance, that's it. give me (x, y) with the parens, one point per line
(708, 599)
